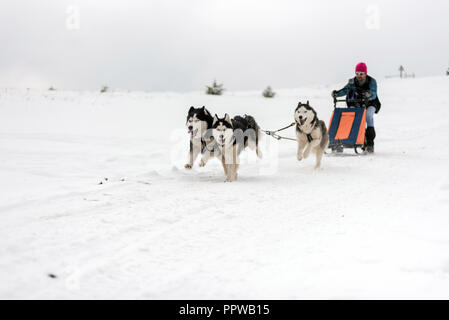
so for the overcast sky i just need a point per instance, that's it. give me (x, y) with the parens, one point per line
(246, 44)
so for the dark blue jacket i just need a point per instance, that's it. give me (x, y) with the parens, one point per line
(353, 89)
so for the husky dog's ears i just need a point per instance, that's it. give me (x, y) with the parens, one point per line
(215, 119)
(303, 104)
(191, 109)
(205, 111)
(227, 118)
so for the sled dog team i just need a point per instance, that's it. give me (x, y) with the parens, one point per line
(225, 138)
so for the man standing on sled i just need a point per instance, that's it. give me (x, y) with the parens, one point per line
(362, 90)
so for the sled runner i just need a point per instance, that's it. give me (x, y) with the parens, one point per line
(347, 127)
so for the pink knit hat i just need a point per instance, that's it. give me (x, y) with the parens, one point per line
(361, 67)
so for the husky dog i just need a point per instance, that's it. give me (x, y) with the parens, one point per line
(311, 133)
(199, 120)
(232, 137)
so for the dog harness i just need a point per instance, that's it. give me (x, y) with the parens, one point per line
(214, 147)
(309, 135)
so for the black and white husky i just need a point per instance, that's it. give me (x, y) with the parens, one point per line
(311, 133)
(232, 137)
(199, 121)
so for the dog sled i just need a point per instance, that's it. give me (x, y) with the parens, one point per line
(347, 127)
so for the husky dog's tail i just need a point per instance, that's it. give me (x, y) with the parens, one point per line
(253, 140)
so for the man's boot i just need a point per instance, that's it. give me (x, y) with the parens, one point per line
(370, 135)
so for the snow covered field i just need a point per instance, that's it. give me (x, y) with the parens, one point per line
(95, 202)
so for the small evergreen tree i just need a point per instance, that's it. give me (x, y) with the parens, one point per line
(51, 89)
(447, 72)
(268, 93)
(216, 89)
(104, 89)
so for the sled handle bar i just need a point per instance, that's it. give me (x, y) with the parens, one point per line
(336, 100)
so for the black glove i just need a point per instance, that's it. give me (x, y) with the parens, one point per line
(367, 94)
(334, 94)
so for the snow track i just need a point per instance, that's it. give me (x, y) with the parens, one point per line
(93, 192)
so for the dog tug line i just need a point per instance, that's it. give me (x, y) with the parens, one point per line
(278, 137)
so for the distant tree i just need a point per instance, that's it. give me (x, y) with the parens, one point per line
(216, 89)
(268, 93)
(51, 88)
(447, 72)
(104, 89)
(401, 70)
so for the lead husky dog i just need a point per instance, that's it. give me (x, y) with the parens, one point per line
(311, 133)
(232, 137)
(199, 121)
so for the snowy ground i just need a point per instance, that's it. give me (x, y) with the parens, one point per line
(361, 227)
